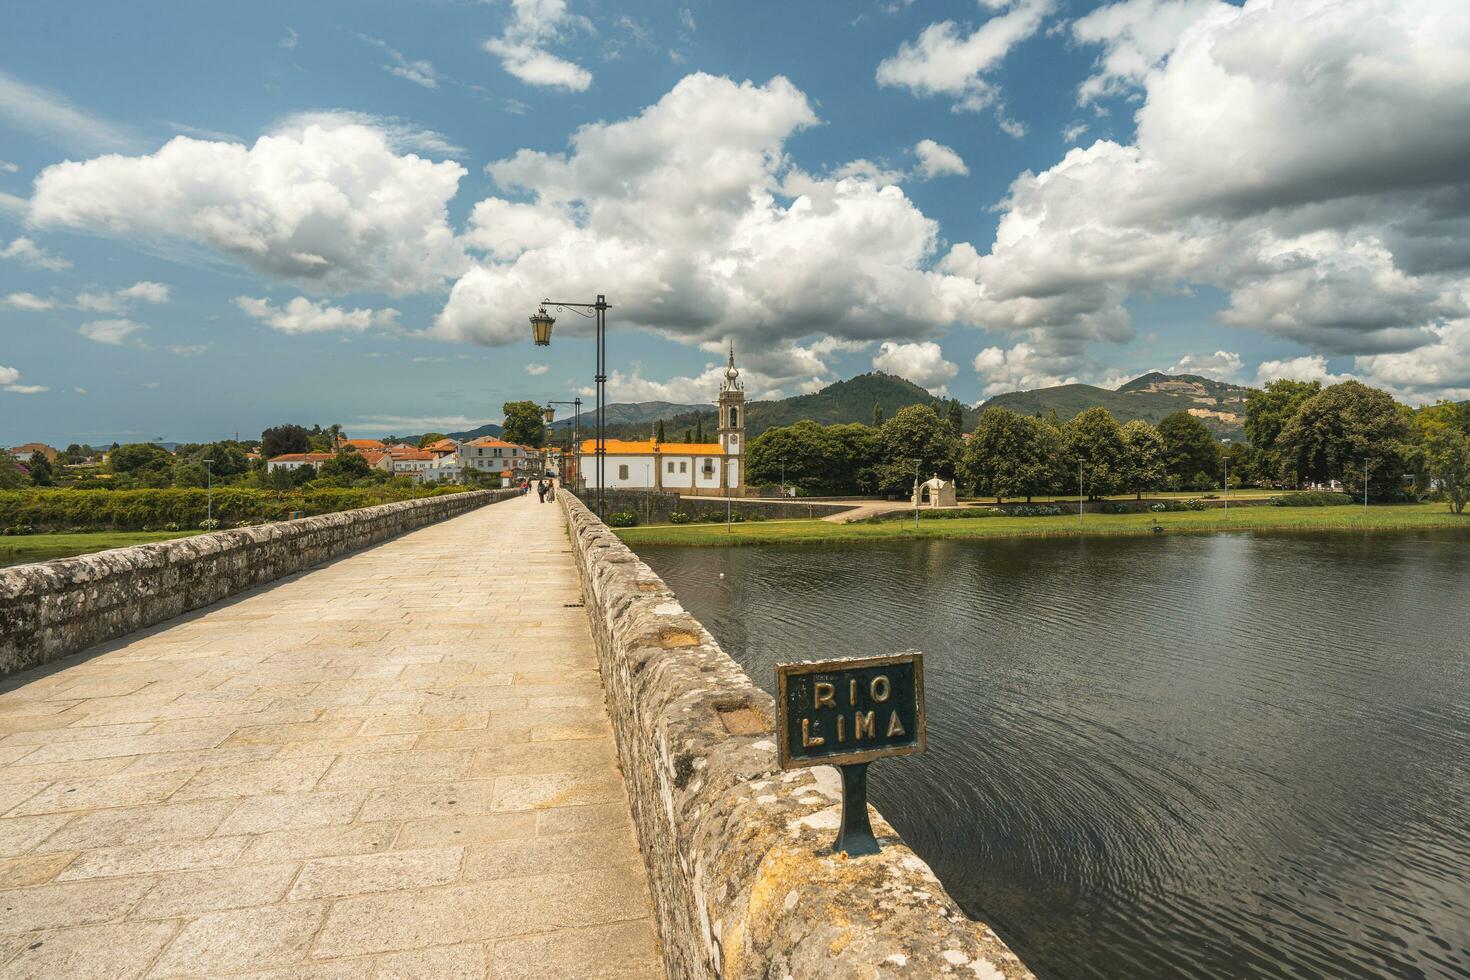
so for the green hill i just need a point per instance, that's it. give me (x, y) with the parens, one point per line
(1151, 397)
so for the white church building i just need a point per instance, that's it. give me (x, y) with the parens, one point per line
(712, 469)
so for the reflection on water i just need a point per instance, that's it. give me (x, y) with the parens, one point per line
(1222, 756)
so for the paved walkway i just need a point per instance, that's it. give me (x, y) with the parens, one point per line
(396, 765)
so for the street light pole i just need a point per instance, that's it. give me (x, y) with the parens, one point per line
(916, 495)
(1081, 498)
(1365, 489)
(576, 404)
(1226, 458)
(209, 491)
(541, 323)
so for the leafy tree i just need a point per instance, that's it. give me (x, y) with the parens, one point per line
(40, 468)
(956, 418)
(140, 458)
(11, 477)
(820, 459)
(345, 468)
(1189, 450)
(1267, 410)
(916, 432)
(1446, 451)
(524, 424)
(877, 416)
(699, 430)
(1143, 457)
(282, 439)
(1340, 429)
(429, 438)
(688, 436)
(658, 431)
(1094, 441)
(1010, 455)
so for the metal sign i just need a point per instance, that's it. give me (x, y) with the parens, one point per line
(847, 713)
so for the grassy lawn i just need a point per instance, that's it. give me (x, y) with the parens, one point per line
(22, 549)
(1341, 518)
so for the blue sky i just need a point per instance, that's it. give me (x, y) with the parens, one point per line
(979, 195)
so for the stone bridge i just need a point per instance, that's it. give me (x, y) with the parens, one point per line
(418, 757)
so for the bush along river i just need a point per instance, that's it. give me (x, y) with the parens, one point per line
(1188, 756)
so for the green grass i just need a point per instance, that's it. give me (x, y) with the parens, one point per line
(1386, 517)
(24, 548)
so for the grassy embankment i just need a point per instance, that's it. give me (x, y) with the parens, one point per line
(22, 549)
(1383, 517)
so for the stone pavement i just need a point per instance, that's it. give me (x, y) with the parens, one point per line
(395, 765)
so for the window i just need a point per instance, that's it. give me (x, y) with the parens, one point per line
(709, 466)
(622, 472)
(671, 466)
(684, 467)
(734, 417)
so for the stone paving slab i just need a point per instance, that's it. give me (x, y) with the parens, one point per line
(395, 765)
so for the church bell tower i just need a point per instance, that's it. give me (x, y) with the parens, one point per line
(732, 427)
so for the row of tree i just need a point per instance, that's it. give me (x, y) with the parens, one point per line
(1298, 432)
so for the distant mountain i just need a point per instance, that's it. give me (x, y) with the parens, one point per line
(628, 413)
(488, 429)
(1219, 405)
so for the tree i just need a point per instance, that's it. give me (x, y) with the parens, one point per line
(699, 430)
(877, 416)
(429, 438)
(524, 424)
(688, 436)
(1189, 450)
(1094, 441)
(658, 431)
(820, 459)
(1341, 429)
(40, 468)
(334, 437)
(1445, 451)
(138, 458)
(1267, 410)
(956, 418)
(916, 432)
(1010, 455)
(345, 468)
(11, 476)
(282, 439)
(1143, 449)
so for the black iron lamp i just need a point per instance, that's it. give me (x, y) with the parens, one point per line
(541, 323)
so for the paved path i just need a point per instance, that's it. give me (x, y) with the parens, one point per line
(396, 765)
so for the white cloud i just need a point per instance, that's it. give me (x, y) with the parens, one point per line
(1441, 367)
(27, 389)
(536, 370)
(922, 363)
(151, 385)
(1136, 36)
(327, 202)
(188, 350)
(28, 252)
(301, 315)
(1223, 365)
(522, 47)
(694, 210)
(80, 391)
(419, 71)
(1311, 367)
(1308, 158)
(29, 302)
(113, 332)
(7, 167)
(945, 60)
(51, 117)
(8, 375)
(938, 160)
(289, 40)
(120, 299)
(10, 381)
(1020, 368)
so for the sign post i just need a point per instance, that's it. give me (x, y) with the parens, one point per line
(847, 713)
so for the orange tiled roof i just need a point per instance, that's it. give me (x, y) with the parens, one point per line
(362, 443)
(489, 441)
(417, 454)
(623, 447)
(302, 458)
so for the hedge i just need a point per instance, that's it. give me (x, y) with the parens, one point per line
(1311, 498)
(141, 510)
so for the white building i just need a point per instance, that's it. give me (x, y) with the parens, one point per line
(491, 455)
(294, 461)
(711, 469)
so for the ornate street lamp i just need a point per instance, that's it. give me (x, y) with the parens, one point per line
(541, 327)
(550, 412)
(541, 332)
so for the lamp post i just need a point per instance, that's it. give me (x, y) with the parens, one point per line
(917, 494)
(1365, 488)
(209, 491)
(576, 404)
(541, 323)
(1081, 497)
(1226, 457)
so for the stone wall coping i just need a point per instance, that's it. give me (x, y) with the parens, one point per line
(738, 851)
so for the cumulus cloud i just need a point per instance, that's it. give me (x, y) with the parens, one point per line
(536, 370)
(326, 201)
(922, 363)
(1308, 158)
(938, 160)
(301, 315)
(1020, 368)
(521, 48)
(10, 381)
(1309, 367)
(1223, 365)
(28, 252)
(29, 302)
(1136, 37)
(120, 299)
(114, 332)
(1440, 368)
(693, 208)
(948, 60)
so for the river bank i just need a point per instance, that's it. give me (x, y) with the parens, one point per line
(21, 549)
(1381, 517)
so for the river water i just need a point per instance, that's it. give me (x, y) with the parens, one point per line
(1241, 755)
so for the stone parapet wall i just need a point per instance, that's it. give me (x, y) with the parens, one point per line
(56, 608)
(737, 850)
(656, 506)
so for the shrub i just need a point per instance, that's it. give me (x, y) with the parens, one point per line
(1116, 508)
(1310, 498)
(757, 516)
(19, 529)
(209, 525)
(1036, 510)
(679, 517)
(622, 518)
(1158, 508)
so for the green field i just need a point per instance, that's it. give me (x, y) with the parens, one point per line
(1384, 517)
(25, 548)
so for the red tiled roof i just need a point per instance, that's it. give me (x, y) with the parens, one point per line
(302, 457)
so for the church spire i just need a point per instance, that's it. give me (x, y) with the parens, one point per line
(732, 373)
